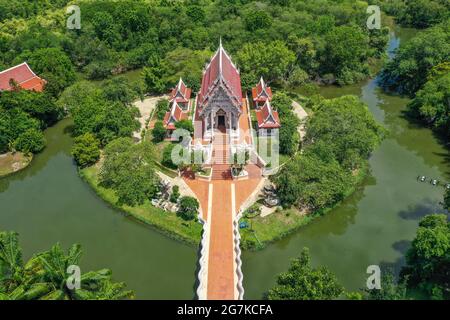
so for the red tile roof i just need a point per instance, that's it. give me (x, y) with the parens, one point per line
(261, 93)
(267, 117)
(173, 116)
(23, 76)
(221, 69)
(181, 93)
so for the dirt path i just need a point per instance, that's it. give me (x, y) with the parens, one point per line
(302, 115)
(146, 108)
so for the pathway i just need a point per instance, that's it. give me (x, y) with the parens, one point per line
(222, 200)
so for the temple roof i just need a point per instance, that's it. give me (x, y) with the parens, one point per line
(173, 116)
(181, 92)
(267, 117)
(23, 76)
(261, 92)
(221, 69)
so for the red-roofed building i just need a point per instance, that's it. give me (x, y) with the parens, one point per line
(21, 76)
(261, 93)
(268, 119)
(181, 94)
(219, 101)
(175, 114)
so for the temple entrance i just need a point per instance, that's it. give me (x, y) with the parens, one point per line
(221, 121)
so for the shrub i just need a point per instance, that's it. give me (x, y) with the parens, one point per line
(159, 132)
(175, 194)
(31, 140)
(86, 150)
(188, 208)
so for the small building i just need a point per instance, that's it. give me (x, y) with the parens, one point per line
(181, 94)
(261, 93)
(268, 120)
(175, 114)
(21, 76)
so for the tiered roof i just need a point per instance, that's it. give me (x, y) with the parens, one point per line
(221, 71)
(267, 117)
(173, 116)
(181, 93)
(23, 76)
(261, 93)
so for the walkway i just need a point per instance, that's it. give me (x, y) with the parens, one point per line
(221, 201)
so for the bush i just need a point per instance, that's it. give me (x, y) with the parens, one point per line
(188, 208)
(86, 150)
(31, 140)
(159, 132)
(175, 194)
(162, 106)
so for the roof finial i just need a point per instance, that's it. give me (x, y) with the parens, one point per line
(220, 42)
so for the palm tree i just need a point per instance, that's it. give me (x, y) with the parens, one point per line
(44, 276)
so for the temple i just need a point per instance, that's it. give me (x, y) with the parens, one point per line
(261, 93)
(219, 102)
(21, 76)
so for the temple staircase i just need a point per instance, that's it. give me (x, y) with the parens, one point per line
(221, 157)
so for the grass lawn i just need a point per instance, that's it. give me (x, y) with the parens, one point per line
(10, 163)
(263, 231)
(166, 222)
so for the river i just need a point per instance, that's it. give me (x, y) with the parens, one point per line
(48, 203)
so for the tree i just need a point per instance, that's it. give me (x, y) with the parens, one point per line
(268, 59)
(32, 140)
(86, 150)
(408, 71)
(128, 169)
(390, 290)
(188, 208)
(44, 276)
(175, 195)
(255, 20)
(159, 132)
(428, 259)
(431, 104)
(345, 54)
(303, 282)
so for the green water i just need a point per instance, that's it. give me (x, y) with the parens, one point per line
(375, 225)
(47, 203)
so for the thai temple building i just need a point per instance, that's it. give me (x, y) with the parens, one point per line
(268, 120)
(180, 106)
(21, 76)
(261, 93)
(221, 110)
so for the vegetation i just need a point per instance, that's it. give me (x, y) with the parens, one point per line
(339, 140)
(128, 169)
(431, 103)
(414, 61)
(159, 132)
(86, 150)
(188, 208)
(289, 138)
(23, 117)
(428, 260)
(172, 39)
(45, 276)
(303, 282)
(417, 13)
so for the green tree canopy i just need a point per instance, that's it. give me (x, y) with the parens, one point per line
(128, 169)
(303, 282)
(428, 259)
